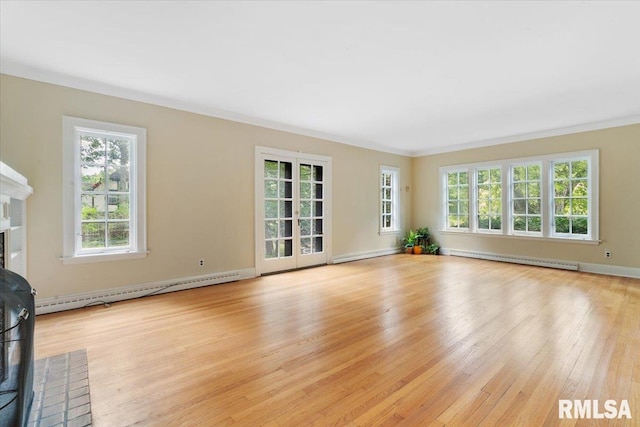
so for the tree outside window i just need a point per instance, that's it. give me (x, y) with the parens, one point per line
(571, 197)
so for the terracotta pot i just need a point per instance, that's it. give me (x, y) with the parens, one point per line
(409, 250)
(417, 250)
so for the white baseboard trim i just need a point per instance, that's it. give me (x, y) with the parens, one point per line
(364, 255)
(610, 270)
(553, 263)
(71, 301)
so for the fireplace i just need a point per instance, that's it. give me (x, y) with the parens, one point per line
(17, 319)
(3, 245)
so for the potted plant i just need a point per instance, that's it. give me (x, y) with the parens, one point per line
(422, 239)
(423, 233)
(419, 242)
(410, 241)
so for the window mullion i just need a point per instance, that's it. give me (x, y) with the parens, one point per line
(505, 178)
(473, 181)
(133, 194)
(106, 193)
(77, 195)
(590, 198)
(546, 199)
(395, 204)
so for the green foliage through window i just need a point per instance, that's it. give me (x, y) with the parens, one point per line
(458, 200)
(489, 197)
(543, 196)
(105, 207)
(526, 202)
(571, 197)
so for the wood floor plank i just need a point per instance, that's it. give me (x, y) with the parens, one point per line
(396, 340)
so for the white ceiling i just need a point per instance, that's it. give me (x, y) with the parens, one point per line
(406, 77)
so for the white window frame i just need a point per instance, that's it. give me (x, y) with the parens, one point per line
(395, 199)
(72, 184)
(475, 204)
(546, 197)
(552, 198)
(526, 199)
(458, 200)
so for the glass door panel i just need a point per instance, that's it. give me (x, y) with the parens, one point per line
(291, 203)
(311, 213)
(278, 210)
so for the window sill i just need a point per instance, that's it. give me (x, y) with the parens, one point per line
(523, 237)
(389, 232)
(114, 256)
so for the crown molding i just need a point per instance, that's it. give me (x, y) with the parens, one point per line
(47, 76)
(584, 127)
(50, 77)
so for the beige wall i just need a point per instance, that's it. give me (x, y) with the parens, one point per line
(200, 180)
(619, 197)
(200, 183)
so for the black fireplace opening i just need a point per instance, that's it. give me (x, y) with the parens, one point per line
(2, 249)
(17, 321)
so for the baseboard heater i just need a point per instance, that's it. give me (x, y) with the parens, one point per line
(540, 262)
(105, 296)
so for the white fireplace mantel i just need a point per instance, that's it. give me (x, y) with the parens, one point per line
(13, 184)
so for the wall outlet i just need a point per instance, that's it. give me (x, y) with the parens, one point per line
(607, 253)
(201, 263)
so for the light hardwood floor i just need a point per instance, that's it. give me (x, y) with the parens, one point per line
(404, 339)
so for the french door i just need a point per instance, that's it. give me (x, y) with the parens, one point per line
(292, 210)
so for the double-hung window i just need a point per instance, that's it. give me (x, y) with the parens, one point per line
(551, 196)
(104, 191)
(389, 199)
(489, 198)
(571, 198)
(526, 198)
(457, 205)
